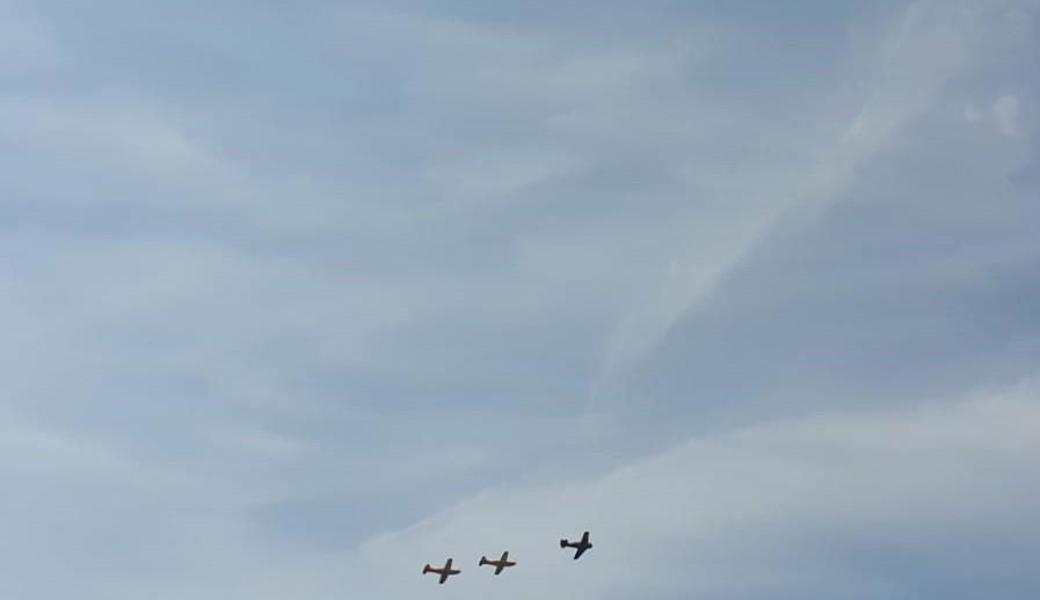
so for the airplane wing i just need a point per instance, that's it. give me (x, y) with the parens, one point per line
(585, 538)
(498, 569)
(447, 572)
(581, 550)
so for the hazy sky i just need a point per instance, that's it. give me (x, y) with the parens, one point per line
(296, 297)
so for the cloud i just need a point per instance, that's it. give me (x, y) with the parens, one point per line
(817, 295)
(1005, 115)
(906, 71)
(869, 504)
(135, 140)
(282, 282)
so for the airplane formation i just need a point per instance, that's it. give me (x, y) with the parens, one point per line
(581, 546)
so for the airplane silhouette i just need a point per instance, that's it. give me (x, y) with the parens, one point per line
(499, 564)
(445, 573)
(581, 546)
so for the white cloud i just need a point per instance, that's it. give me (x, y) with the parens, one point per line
(1006, 115)
(780, 510)
(128, 136)
(278, 279)
(905, 72)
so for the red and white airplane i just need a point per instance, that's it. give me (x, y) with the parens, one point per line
(499, 564)
(445, 573)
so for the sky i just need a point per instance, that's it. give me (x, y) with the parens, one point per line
(298, 297)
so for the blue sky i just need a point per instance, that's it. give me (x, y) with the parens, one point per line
(299, 297)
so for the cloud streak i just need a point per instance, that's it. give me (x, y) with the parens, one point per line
(832, 505)
(296, 299)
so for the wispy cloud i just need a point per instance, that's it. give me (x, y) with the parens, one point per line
(295, 299)
(831, 505)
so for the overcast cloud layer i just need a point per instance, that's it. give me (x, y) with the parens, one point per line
(297, 297)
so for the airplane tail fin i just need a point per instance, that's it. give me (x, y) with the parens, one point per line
(426, 569)
(563, 543)
(483, 561)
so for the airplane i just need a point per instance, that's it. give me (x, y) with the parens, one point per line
(445, 573)
(581, 546)
(499, 564)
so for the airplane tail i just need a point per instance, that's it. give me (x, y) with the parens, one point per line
(563, 543)
(483, 561)
(426, 569)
